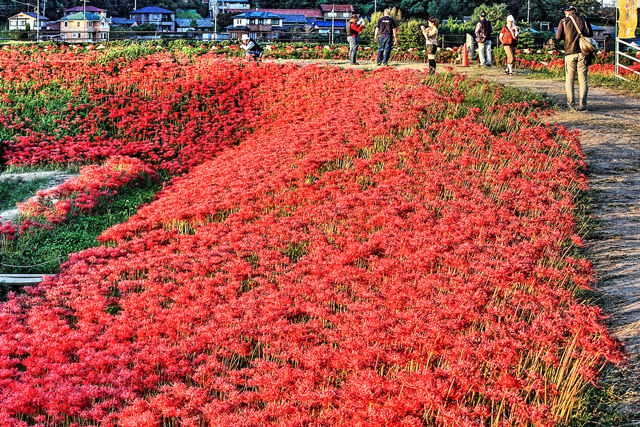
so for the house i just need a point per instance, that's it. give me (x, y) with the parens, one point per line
(86, 8)
(27, 21)
(258, 25)
(122, 22)
(229, 6)
(193, 24)
(165, 20)
(324, 27)
(84, 27)
(337, 11)
(315, 14)
(294, 22)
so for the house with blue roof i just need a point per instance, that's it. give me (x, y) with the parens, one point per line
(259, 25)
(26, 21)
(324, 27)
(84, 27)
(165, 20)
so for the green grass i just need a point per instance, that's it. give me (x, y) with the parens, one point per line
(16, 189)
(47, 249)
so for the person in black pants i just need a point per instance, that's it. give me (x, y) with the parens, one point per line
(385, 28)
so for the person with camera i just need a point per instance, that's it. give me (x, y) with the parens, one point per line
(253, 49)
(431, 36)
(484, 31)
(353, 30)
(385, 28)
(570, 29)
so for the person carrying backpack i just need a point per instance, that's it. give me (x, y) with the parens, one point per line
(509, 39)
(484, 31)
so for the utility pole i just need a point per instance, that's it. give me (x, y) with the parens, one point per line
(528, 12)
(333, 17)
(38, 22)
(375, 6)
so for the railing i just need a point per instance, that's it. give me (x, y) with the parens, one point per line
(445, 40)
(619, 54)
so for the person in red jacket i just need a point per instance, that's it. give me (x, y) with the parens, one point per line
(353, 29)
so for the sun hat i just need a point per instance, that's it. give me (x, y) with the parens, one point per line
(483, 13)
(511, 18)
(245, 37)
(569, 7)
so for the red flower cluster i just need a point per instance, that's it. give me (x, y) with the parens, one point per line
(388, 262)
(153, 108)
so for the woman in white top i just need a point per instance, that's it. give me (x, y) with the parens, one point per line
(431, 36)
(509, 39)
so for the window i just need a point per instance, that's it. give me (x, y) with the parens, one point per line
(78, 24)
(66, 24)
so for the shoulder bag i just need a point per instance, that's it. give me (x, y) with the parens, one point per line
(587, 44)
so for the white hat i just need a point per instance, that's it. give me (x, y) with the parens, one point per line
(245, 37)
(511, 18)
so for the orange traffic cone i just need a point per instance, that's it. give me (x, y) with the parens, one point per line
(465, 56)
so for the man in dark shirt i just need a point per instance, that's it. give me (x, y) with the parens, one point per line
(385, 28)
(574, 59)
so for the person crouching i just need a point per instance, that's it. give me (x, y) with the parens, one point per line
(253, 49)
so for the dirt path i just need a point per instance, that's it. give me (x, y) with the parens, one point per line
(55, 178)
(610, 137)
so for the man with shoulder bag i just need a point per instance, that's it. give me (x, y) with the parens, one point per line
(484, 32)
(575, 30)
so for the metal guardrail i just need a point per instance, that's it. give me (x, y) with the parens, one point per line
(20, 279)
(619, 54)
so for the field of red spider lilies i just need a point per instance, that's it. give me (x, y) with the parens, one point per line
(337, 247)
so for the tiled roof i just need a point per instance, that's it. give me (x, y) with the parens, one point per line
(338, 7)
(83, 9)
(152, 9)
(122, 21)
(309, 13)
(200, 23)
(336, 24)
(293, 19)
(34, 16)
(79, 17)
(257, 14)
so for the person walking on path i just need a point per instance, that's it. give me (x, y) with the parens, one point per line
(509, 39)
(353, 30)
(252, 48)
(431, 36)
(569, 30)
(484, 31)
(385, 29)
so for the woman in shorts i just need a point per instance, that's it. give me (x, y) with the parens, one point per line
(431, 36)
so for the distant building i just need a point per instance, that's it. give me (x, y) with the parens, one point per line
(257, 24)
(27, 21)
(84, 27)
(337, 11)
(86, 8)
(324, 27)
(165, 20)
(122, 22)
(308, 13)
(196, 24)
(230, 6)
